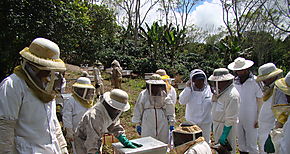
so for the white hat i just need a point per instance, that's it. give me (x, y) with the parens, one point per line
(45, 53)
(163, 74)
(240, 64)
(284, 84)
(267, 71)
(83, 82)
(221, 74)
(117, 99)
(155, 79)
(115, 62)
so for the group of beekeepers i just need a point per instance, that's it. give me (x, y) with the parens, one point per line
(251, 110)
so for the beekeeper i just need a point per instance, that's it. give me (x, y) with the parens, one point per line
(268, 74)
(154, 111)
(251, 102)
(171, 92)
(188, 139)
(197, 97)
(28, 122)
(116, 74)
(278, 141)
(98, 79)
(103, 118)
(81, 100)
(225, 107)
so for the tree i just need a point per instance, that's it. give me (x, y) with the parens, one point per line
(81, 29)
(277, 13)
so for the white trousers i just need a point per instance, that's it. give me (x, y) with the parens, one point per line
(206, 128)
(247, 137)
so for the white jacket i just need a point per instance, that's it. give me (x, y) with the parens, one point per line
(154, 122)
(93, 125)
(72, 113)
(35, 125)
(198, 105)
(225, 113)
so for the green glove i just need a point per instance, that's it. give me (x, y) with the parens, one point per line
(269, 146)
(225, 135)
(128, 144)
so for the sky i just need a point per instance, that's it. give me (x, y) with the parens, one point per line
(206, 15)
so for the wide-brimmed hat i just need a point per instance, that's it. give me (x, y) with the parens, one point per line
(155, 79)
(83, 82)
(45, 53)
(284, 84)
(221, 74)
(240, 64)
(117, 99)
(267, 71)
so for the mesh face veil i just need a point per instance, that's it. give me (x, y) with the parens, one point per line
(157, 94)
(214, 87)
(47, 81)
(84, 93)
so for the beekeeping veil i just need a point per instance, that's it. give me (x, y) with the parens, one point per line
(84, 91)
(157, 91)
(42, 68)
(281, 106)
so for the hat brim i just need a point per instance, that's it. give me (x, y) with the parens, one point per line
(78, 85)
(270, 75)
(156, 82)
(51, 64)
(115, 104)
(221, 78)
(248, 64)
(282, 85)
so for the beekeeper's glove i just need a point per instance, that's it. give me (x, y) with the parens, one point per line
(139, 129)
(171, 128)
(128, 144)
(225, 135)
(269, 146)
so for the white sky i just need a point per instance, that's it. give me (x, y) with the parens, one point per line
(207, 15)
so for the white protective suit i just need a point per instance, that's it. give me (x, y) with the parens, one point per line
(72, 113)
(266, 123)
(172, 94)
(247, 135)
(225, 112)
(98, 81)
(94, 124)
(285, 141)
(26, 121)
(154, 121)
(198, 107)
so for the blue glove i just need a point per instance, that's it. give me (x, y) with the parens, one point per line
(139, 129)
(225, 134)
(269, 146)
(128, 144)
(171, 128)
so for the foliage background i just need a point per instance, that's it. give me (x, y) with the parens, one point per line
(86, 32)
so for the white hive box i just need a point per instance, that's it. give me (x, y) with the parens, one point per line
(150, 146)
